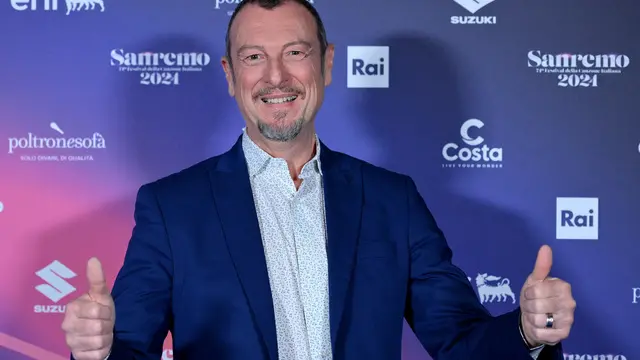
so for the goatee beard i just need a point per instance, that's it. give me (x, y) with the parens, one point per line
(279, 131)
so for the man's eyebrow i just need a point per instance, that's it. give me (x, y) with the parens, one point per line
(244, 48)
(298, 42)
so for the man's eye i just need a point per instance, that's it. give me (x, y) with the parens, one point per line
(297, 54)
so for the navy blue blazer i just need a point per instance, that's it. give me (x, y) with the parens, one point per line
(195, 266)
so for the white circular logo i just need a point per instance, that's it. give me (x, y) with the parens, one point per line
(464, 132)
(1, 206)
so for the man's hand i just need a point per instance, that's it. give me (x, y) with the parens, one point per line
(88, 321)
(546, 304)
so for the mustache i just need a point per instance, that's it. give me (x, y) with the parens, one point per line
(268, 91)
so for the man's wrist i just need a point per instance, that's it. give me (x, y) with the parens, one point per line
(524, 338)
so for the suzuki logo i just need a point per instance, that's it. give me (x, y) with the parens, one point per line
(55, 288)
(473, 5)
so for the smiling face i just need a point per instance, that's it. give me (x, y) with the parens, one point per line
(276, 73)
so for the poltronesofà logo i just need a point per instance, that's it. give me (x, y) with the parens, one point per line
(56, 147)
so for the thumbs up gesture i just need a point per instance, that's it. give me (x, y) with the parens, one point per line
(89, 320)
(546, 304)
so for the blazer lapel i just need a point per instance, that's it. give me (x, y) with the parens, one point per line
(343, 202)
(235, 208)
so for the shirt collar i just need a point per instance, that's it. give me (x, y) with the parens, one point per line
(258, 159)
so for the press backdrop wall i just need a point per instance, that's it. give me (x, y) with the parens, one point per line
(549, 88)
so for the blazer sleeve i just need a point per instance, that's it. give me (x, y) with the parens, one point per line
(142, 289)
(442, 307)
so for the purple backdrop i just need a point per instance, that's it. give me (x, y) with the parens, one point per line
(518, 121)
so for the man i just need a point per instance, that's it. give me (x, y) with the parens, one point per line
(283, 249)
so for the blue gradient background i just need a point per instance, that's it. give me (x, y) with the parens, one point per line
(557, 141)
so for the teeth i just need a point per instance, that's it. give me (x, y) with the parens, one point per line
(280, 100)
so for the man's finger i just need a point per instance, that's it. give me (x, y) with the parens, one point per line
(93, 311)
(83, 344)
(90, 327)
(95, 276)
(541, 306)
(560, 320)
(550, 288)
(542, 268)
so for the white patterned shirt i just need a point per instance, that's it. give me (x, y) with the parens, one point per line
(292, 225)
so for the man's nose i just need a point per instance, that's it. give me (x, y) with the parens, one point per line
(276, 72)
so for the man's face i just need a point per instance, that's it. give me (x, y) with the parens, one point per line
(277, 78)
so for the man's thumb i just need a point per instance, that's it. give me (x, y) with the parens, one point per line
(543, 264)
(95, 275)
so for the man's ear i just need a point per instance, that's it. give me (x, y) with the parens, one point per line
(228, 74)
(328, 64)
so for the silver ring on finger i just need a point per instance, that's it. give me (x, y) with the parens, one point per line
(549, 323)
